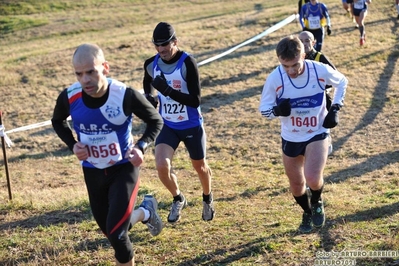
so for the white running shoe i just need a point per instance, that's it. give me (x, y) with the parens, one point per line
(175, 211)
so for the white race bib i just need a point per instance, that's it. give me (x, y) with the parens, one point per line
(104, 149)
(307, 122)
(173, 111)
(314, 22)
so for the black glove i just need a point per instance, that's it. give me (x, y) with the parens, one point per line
(160, 84)
(331, 120)
(328, 99)
(283, 108)
(328, 30)
(152, 99)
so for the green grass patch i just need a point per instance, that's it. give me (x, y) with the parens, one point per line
(10, 24)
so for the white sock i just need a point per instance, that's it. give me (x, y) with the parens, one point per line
(146, 214)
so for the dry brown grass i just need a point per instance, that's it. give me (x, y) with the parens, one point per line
(48, 222)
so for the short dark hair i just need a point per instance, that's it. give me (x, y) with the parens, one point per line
(289, 47)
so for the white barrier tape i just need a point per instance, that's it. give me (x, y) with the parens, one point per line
(4, 135)
(257, 37)
(32, 126)
(41, 124)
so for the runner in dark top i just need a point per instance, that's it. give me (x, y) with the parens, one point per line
(102, 110)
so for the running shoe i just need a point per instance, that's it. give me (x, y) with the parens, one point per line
(306, 225)
(208, 211)
(318, 216)
(154, 223)
(175, 211)
(362, 41)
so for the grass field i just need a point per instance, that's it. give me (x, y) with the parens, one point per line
(48, 221)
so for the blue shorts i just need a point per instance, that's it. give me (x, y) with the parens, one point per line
(294, 149)
(193, 138)
(357, 12)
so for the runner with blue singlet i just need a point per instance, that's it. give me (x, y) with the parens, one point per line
(314, 17)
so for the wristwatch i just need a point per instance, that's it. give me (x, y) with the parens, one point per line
(141, 145)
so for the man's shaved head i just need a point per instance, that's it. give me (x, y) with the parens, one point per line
(306, 35)
(88, 51)
(307, 38)
(91, 69)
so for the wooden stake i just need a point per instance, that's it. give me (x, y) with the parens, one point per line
(3, 145)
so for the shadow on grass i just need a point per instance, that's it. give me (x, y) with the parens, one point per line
(378, 161)
(257, 248)
(62, 152)
(378, 103)
(71, 216)
(380, 93)
(261, 247)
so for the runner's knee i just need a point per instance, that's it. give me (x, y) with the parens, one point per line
(122, 246)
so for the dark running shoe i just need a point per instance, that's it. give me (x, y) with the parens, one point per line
(318, 216)
(154, 223)
(306, 225)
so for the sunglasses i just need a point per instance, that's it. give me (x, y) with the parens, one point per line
(162, 44)
(165, 43)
